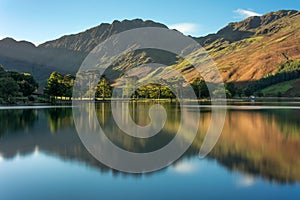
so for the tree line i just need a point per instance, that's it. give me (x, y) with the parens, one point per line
(61, 87)
(16, 85)
(287, 71)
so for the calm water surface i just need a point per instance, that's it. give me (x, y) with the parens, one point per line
(257, 156)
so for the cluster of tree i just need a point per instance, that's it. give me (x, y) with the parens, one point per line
(157, 91)
(14, 84)
(62, 86)
(103, 88)
(59, 85)
(288, 71)
(154, 91)
(201, 90)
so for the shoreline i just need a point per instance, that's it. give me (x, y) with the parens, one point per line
(241, 101)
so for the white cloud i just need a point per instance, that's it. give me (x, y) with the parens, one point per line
(246, 13)
(186, 28)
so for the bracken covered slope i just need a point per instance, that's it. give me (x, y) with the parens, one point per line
(243, 51)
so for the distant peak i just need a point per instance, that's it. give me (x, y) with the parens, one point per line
(129, 22)
(88, 39)
(256, 21)
(11, 41)
(283, 12)
(8, 39)
(116, 22)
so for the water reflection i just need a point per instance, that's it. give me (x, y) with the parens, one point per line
(23, 120)
(263, 143)
(59, 118)
(256, 143)
(139, 114)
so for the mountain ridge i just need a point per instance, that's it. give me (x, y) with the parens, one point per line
(229, 47)
(99, 33)
(64, 54)
(245, 25)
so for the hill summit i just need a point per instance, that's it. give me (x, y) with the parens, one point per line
(244, 51)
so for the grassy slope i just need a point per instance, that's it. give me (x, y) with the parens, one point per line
(287, 88)
(252, 58)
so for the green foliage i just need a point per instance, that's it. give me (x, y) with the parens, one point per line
(166, 92)
(103, 89)
(54, 87)
(239, 92)
(8, 88)
(59, 85)
(230, 90)
(220, 93)
(288, 71)
(200, 88)
(259, 94)
(143, 91)
(155, 91)
(26, 83)
(283, 88)
(289, 66)
(247, 92)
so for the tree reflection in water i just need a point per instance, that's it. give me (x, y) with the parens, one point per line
(264, 143)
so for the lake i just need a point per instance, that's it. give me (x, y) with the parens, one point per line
(256, 157)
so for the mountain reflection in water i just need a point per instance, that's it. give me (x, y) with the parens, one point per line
(264, 143)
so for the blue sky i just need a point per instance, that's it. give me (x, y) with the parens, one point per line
(39, 21)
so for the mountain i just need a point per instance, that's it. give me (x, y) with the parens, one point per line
(255, 47)
(244, 51)
(256, 25)
(64, 54)
(87, 40)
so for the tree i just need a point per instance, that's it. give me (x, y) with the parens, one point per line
(239, 92)
(103, 88)
(8, 88)
(200, 88)
(54, 87)
(154, 91)
(247, 92)
(27, 84)
(166, 92)
(288, 71)
(259, 94)
(67, 85)
(230, 88)
(142, 91)
(59, 85)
